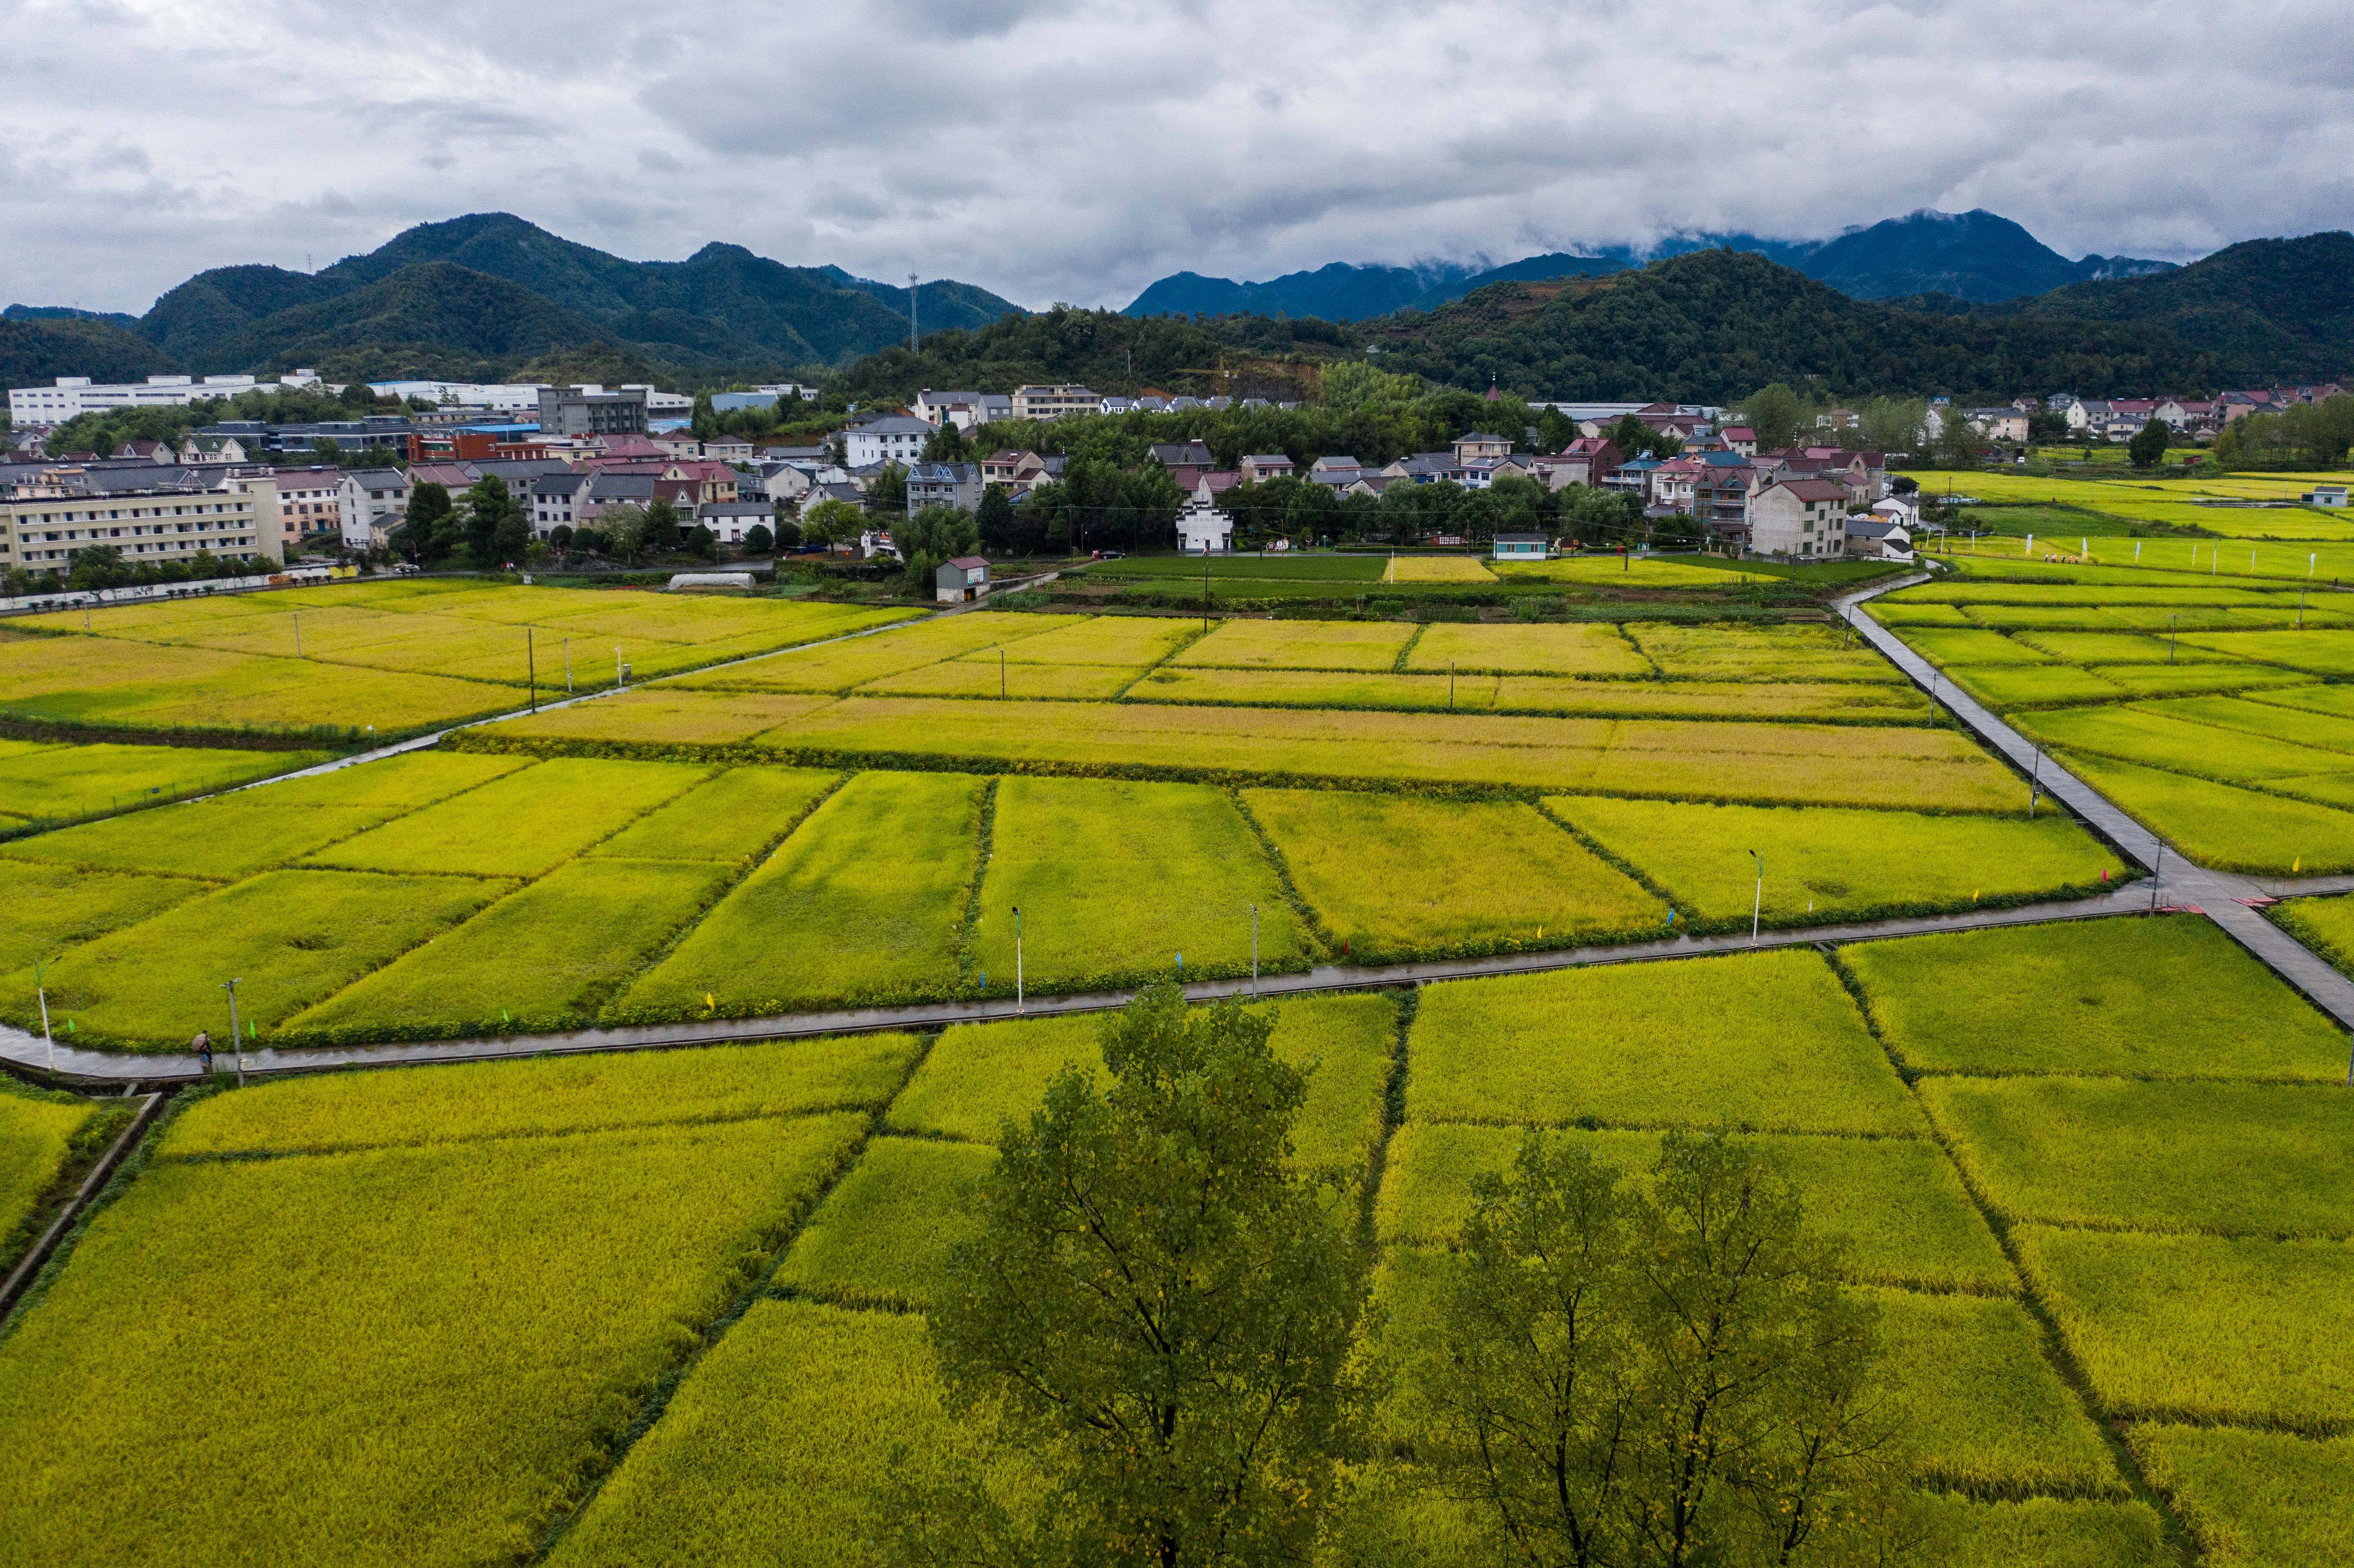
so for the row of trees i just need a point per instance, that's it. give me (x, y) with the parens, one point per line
(1164, 1322)
(2303, 436)
(105, 432)
(103, 566)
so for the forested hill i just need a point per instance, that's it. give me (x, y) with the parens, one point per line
(34, 352)
(537, 297)
(1715, 325)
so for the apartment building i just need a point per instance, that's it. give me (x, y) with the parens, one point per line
(75, 394)
(1055, 402)
(309, 502)
(236, 517)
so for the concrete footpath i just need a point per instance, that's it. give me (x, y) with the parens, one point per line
(71, 1063)
(2230, 900)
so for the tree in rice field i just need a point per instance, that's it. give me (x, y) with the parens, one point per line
(2148, 449)
(1660, 1374)
(1157, 1313)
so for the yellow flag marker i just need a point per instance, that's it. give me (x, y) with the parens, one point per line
(710, 1001)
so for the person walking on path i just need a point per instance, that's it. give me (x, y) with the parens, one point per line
(203, 1046)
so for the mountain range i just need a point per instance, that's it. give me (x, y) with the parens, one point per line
(1976, 256)
(488, 294)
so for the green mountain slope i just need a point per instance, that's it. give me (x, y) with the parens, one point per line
(1714, 326)
(434, 318)
(36, 352)
(722, 308)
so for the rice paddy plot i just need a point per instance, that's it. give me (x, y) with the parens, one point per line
(2171, 736)
(42, 781)
(290, 937)
(1824, 863)
(1127, 640)
(1300, 645)
(2163, 997)
(864, 902)
(541, 1097)
(2317, 652)
(1836, 701)
(838, 667)
(775, 1447)
(2223, 1159)
(736, 815)
(1731, 652)
(2325, 924)
(37, 1133)
(1437, 570)
(1987, 1414)
(2008, 687)
(2222, 826)
(467, 1299)
(537, 961)
(1592, 649)
(75, 679)
(523, 825)
(1305, 567)
(1900, 614)
(1639, 571)
(986, 677)
(1974, 647)
(980, 1074)
(1896, 1201)
(1393, 876)
(1765, 1042)
(2203, 1329)
(1800, 764)
(229, 836)
(883, 1236)
(2255, 1499)
(52, 906)
(1318, 689)
(1116, 881)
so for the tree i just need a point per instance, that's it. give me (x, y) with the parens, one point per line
(1158, 1308)
(887, 492)
(98, 566)
(561, 535)
(423, 528)
(487, 508)
(948, 444)
(623, 528)
(995, 519)
(702, 542)
(1658, 1374)
(832, 521)
(2148, 449)
(788, 533)
(933, 536)
(1775, 413)
(661, 525)
(759, 540)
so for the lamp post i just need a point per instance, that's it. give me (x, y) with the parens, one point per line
(567, 666)
(234, 1043)
(531, 668)
(1254, 952)
(41, 984)
(1017, 957)
(2157, 870)
(1757, 902)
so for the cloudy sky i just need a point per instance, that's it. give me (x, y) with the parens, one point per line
(1057, 150)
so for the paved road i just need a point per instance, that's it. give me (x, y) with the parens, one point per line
(112, 1067)
(2228, 899)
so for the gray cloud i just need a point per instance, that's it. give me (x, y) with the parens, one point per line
(1076, 149)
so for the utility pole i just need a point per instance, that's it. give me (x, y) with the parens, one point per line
(234, 1043)
(1017, 957)
(1758, 903)
(531, 668)
(41, 984)
(1254, 952)
(915, 338)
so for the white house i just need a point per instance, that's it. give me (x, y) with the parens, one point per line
(1521, 547)
(372, 501)
(892, 437)
(1202, 529)
(1879, 537)
(2326, 496)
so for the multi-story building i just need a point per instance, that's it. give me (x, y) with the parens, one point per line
(591, 411)
(1800, 518)
(892, 437)
(1040, 402)
(370, 503)
(310, 502)
(229, 517)
(944, 484)
(75, 394)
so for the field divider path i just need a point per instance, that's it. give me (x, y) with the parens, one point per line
(29, 1267)
(2222, 897)
(84, 1067)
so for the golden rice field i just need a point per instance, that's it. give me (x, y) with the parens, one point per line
(733, 1391)
(1437, 570)
(2136, 498)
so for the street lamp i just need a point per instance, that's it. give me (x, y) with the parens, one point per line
(1758, 903)
(40, 977)
(1017, 957)
(234, 1044)
(1254, 952)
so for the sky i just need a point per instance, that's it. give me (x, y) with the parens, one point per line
(1052, 150)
